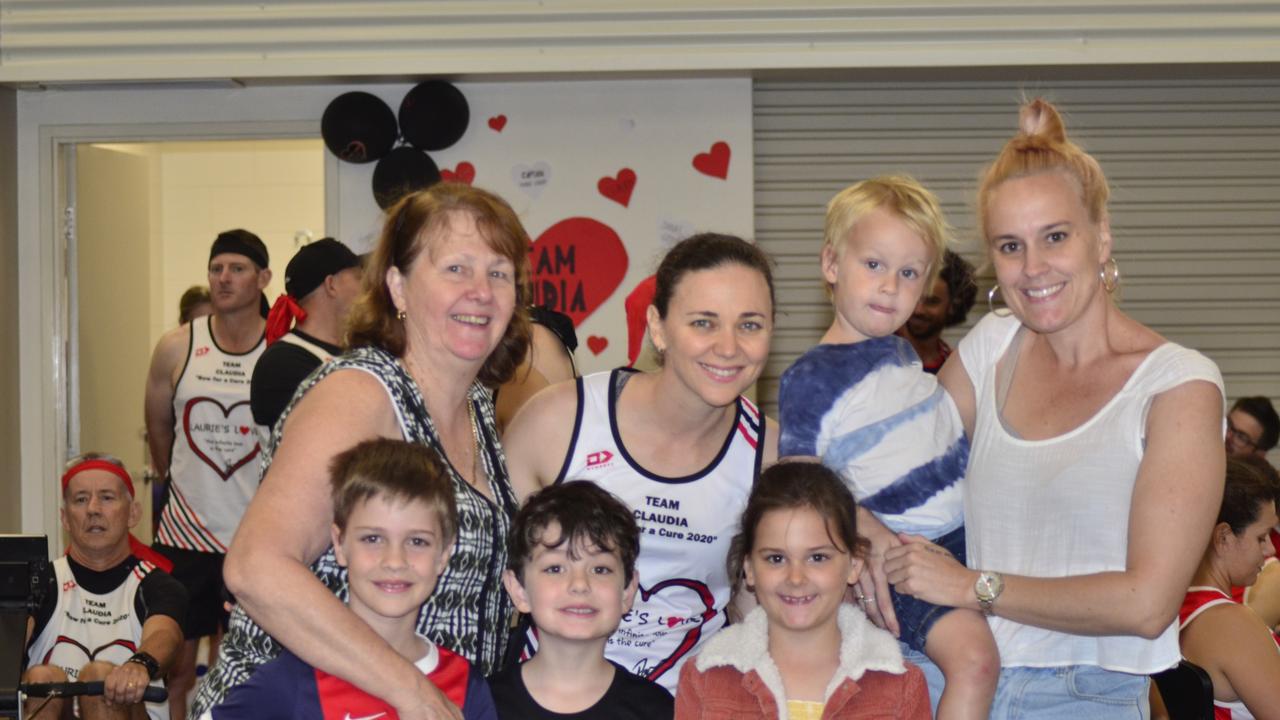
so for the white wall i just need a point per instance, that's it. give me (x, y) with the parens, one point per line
(274, 189)
(47, 118)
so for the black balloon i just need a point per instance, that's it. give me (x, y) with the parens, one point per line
(434, 115)
(402, 171)
(358, 127)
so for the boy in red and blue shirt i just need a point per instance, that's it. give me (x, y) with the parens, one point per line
(394, 524)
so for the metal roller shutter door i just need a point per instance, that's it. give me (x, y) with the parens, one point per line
(1195, 174)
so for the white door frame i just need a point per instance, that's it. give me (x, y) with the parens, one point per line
(45, 306)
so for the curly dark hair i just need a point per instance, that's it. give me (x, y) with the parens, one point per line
(957, 273)
(588, 516)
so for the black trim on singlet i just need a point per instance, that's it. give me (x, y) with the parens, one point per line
(191, 344)
(760, 438)
(214, 339)
(577, 426)
(614, 377)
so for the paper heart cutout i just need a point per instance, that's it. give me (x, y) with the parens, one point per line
(714, 163)
(597, 344)
(694, 634)
(577, 265)
(218, 440)
(464, 173)
(618, 189)
(497, 122)
(532, 179)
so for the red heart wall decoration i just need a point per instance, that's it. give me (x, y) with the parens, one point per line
(464, 173)
(618, 189)
(597, 344)
(577, 264)
(714, 163)
(497, 122)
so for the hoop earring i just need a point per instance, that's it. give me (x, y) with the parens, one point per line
(991, 303)
(401, 316)
(1110, 275)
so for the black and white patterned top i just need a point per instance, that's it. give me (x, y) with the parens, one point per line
(469, 612)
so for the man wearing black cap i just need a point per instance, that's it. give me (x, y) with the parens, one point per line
(321, 282)
(200, 428)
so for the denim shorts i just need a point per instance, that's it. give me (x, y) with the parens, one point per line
(916, 617)
(1073, 692)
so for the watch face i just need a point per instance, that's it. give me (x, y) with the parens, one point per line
(989, 586)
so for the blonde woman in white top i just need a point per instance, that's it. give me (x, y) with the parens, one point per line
(1096, 461)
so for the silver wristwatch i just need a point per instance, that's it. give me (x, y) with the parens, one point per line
(988, 588)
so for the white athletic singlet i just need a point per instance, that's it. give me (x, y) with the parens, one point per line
(686, 525)
(212, 470)
(86, 626)
(293, 338)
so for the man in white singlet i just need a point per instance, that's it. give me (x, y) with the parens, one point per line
(200, 428)
(105, 614)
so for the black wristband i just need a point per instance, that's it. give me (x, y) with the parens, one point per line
(144, 659)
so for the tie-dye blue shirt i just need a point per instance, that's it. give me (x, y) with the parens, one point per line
(871, 414)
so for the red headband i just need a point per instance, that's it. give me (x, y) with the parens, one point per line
(98, 464)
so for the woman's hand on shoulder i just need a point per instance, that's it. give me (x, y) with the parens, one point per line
(928, 571)
(537, 438)
(426, 702)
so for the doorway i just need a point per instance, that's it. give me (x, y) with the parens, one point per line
(143, 217)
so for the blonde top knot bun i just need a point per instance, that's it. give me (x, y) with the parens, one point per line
(1041, 146)
(1039, 119)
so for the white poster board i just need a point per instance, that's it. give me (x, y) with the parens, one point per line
(605, 176)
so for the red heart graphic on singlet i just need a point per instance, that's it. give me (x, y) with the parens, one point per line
(64, 643)
(618, 189)
(497, 122)
(694, 634)
(221, 441)
(577, 264)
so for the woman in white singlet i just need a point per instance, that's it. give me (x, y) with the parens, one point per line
(1095, 458)
(1227, 639)
(680, 446)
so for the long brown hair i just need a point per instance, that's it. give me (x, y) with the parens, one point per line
(374, 318)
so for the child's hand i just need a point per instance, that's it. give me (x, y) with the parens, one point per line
(872, 589)
(927, 571)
